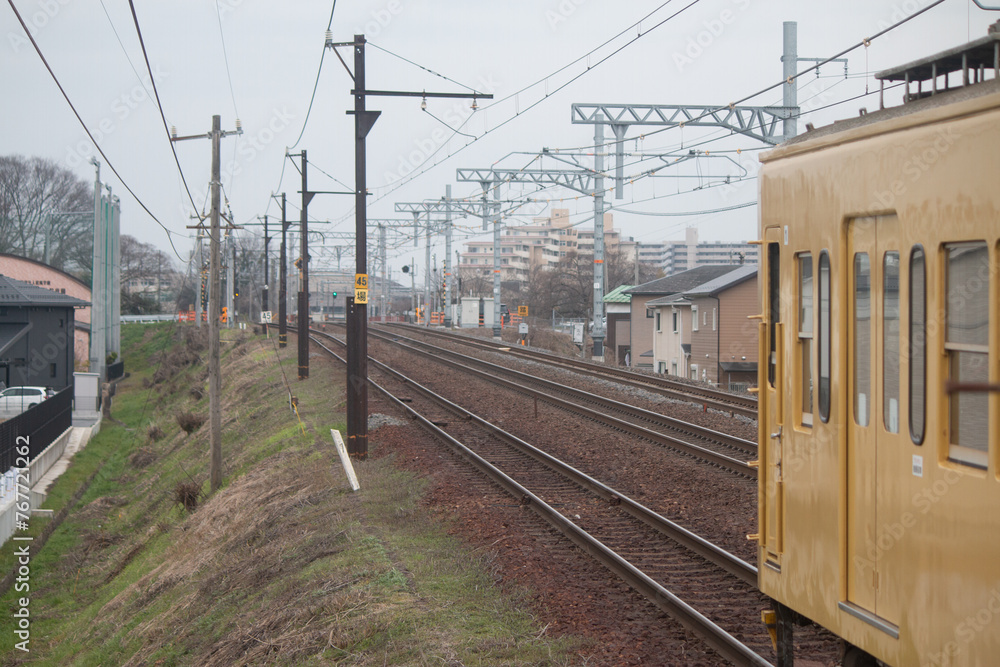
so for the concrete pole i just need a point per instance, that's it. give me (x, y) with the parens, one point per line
(97, 299)
(304, 274)
(497, 325)
(789, 60)
(214, 365)
(597, 332)
(116, 278)
(448, 273)
(427, 274)
(201, 282)
(382, 253)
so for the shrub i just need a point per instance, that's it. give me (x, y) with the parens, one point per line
(190, 422)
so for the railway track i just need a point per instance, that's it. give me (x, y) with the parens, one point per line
(711, 446)
(706, 589)
(715, 399)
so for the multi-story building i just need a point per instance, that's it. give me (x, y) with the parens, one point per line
(689, 253)
(541, 244)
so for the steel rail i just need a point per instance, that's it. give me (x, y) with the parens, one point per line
(695, 430)
(715, 399)
(729, 463)
(713, 635)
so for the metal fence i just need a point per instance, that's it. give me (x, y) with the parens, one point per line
(41, 425)
(116, 370)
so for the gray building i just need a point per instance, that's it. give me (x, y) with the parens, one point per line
(36, 335)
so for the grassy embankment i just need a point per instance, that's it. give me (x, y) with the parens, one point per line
(283, 565)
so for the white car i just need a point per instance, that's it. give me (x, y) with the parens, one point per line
(19, 399)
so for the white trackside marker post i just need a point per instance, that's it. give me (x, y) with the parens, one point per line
(338, 440)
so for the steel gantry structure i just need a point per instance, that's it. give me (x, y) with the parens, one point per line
(586, 181)
(448, 206)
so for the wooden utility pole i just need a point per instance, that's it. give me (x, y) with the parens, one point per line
(215, 287)
(214, 300)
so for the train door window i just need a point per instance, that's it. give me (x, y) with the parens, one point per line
(918, 344)
(806, 336)
(862, 338)
(823, 335)
(890, 341)
(967, 347)
(774, 307)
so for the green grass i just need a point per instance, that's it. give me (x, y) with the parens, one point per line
(283, 565)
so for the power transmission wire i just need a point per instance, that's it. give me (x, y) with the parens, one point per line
(312, 98)
(76, 113)
(590, 67)
(156, 95)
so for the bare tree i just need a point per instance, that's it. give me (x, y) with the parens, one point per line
(46, 213)
(149, 278)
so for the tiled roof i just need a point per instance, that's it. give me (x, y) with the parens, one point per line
(18, 293)
(724, 282)
(683, 281)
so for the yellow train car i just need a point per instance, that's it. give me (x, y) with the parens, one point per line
(879, 470)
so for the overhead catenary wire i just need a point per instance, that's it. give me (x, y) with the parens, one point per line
(76, 113)
(312, 98)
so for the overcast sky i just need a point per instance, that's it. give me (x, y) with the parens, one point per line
(712, 52)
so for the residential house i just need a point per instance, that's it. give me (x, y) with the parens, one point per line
(704, 332)
(642, 315)
(616, 308)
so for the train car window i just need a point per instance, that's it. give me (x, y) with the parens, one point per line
(774, 307)
(806, 336)
(967, 313)
(824, 335)
(918, 344)
(890, 341)
(862, 338)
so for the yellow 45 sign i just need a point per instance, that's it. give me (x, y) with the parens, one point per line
(361, 288)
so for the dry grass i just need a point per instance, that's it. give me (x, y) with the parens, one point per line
(190, 422)
(186, 495)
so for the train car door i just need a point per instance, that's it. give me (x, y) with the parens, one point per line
(873, 414)
(770, 399)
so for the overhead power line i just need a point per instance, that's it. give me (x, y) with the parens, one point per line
(100, 150)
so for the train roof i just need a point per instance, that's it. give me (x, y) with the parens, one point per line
(974, 58)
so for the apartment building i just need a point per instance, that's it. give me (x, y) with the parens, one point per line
(689, 253)
(540, 244)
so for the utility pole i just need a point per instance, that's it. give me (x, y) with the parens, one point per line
(597, 332)
(447, 256)
(214, 365)
(201, 280)
(357, 344)
(283, 286)
(304, 272)
(265, 297)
